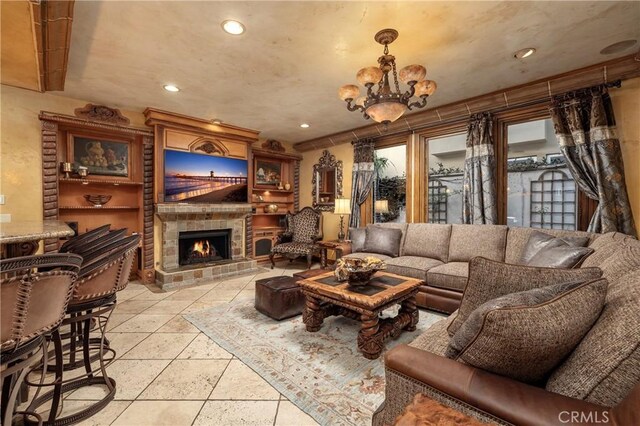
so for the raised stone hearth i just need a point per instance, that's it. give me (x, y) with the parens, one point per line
(177, 218)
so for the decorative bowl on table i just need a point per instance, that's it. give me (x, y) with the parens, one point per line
(358, 272)
(97, 200)
(271, 208)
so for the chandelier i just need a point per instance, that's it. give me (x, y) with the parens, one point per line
(387, 104)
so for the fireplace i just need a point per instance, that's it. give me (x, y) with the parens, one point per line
(204, 246)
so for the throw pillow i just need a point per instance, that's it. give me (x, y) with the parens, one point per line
(357, 236)
(565, 257)
(489, 279)
(382, 240)
(540, 241)
(526, 335)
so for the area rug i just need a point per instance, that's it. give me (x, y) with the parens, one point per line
(323, 373)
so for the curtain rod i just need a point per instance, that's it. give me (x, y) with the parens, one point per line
(587, 90)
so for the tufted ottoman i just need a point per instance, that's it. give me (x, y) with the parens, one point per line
(279, 297)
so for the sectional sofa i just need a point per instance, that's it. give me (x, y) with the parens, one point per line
(598, 383)
(439, 254)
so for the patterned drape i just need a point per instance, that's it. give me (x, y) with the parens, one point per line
(585, 129)
(362, 177)
(479, 204)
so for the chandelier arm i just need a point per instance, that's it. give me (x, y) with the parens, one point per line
(409, 93)
(421, 104)
(353, 107)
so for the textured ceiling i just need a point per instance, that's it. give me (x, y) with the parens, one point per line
(287, 67)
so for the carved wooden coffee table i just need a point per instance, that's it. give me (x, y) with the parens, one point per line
(326, 297)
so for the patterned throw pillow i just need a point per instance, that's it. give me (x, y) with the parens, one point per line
(357, 236)
(539, 241)
(526, 335)
(489, 279)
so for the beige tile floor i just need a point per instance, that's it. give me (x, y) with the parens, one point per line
(169, 373)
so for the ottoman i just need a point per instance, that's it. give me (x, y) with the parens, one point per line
(279, 297)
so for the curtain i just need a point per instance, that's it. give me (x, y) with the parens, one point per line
(362, 177)
(479, 204)
(585, 129)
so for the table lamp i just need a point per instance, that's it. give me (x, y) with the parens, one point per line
(342, 207)
(382, 206)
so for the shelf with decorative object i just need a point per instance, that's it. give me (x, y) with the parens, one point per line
(272, 169)
(115, 186)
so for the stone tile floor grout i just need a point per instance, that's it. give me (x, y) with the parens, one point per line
(252, 405)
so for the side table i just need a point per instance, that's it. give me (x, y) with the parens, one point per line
(341, 248)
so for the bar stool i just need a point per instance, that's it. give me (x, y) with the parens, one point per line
(81, 239)
(35, 293)
(91, 305)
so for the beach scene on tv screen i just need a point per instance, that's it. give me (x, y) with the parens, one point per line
(198, 178)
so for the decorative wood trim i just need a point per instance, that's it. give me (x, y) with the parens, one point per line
(538, 91)
(209, 146)
(102, 113)
(76, 121)
(180, 121)
(248, 232)
(49, 133)
(52, 21)
(147, 241)
(296, 186)
(273, 145)
(279, 155)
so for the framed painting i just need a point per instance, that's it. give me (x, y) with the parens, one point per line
(101, 156)
(267, 173)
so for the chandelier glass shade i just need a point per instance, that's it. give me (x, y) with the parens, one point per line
(386, 103)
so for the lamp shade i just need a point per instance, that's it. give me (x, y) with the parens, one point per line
(386, 112)
(343, 206)
(425, 87)
(348, 91)
(382, 206)
(369, 75)
(412, 73)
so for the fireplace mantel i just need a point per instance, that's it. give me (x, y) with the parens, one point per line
(175, 211)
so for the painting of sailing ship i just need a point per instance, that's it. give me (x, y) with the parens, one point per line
(199, 178)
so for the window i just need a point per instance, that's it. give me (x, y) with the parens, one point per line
(437, 201)
(553, 201)
(391, 183)
(540, 190)
(446, 165)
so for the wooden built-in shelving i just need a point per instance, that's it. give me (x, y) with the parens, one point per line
(131, 202)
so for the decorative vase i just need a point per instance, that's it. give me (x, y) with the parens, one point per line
(271, 208)
(287, 186)
(97, 200)
(280, 187)
(357, 272)
(83, 171)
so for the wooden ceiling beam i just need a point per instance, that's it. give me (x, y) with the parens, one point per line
(536, 91)
(55, 19)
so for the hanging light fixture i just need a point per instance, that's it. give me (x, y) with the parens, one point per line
(387, 104)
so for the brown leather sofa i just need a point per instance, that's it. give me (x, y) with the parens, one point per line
(598, 383)
(439, 254)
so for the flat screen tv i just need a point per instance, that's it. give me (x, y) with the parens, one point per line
(199, 178)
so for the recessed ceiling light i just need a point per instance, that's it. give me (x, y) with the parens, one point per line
(524, 53)
(305, 126)
(216, 121)
(618, 47)
(171, 88)
(233, 27)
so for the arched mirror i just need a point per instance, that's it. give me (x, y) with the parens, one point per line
(327, 182)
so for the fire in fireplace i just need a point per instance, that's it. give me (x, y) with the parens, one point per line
(204, 246)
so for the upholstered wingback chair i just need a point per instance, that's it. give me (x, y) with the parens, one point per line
(304, 230)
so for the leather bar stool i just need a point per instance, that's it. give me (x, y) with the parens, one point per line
(35, 293)
(91, 305)
(78, 240)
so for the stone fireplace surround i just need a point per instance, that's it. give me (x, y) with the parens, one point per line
(177, 217)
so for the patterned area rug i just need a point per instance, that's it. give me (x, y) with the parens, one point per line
(322, 373)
